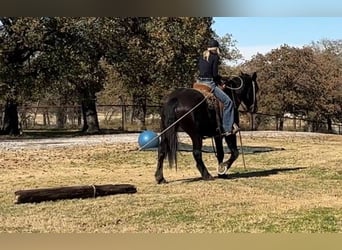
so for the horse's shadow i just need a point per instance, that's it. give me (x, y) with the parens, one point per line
(184, 147)
(262, 173)
(238, 175)
(245, 149)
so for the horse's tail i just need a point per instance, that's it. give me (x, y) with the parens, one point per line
(169, 138)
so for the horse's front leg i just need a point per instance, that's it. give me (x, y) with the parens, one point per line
(234, 154)
(219, 149)
(219, 155)
(197, 143)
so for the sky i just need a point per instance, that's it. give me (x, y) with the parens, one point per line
(262, 34)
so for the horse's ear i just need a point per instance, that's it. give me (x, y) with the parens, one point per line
(254, 76)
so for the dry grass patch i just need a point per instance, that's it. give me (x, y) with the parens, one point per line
(293, 190)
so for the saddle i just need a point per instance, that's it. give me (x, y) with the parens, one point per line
(212, 101)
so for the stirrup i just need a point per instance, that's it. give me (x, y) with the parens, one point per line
(226, 133)
(233, 131)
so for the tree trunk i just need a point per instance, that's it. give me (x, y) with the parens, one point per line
(281, 123)
(90, 119)
(11, 119)
(139, 110)
(79, 116)
(74, 192)
(61, 117)
(1, 117)
(46, 117)
(329, 122)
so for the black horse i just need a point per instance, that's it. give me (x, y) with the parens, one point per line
(188, 109)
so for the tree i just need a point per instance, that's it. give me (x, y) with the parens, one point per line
(20, 40)
(330, 52)
(60, 55)
(296, 80)
(66, 57)
(73, 54)
(157, 54)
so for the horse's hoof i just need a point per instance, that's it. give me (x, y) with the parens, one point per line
(161, 181)
(209, 178)
(222, 168)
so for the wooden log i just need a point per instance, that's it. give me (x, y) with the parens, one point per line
(73, 192)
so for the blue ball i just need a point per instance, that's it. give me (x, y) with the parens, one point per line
(148, 139)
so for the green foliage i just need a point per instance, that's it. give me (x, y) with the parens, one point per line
(67, 61)
(63, 55)
(20, 41)
(56, 55)
(159, 53)
(62, 60)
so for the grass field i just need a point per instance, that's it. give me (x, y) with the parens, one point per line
(297, 189)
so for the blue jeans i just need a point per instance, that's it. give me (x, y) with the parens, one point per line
(228, 106)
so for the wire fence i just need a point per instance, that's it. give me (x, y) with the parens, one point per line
(123, 118)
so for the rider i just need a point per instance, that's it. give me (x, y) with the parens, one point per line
(208, 74)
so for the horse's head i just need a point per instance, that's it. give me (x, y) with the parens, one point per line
(243, 89)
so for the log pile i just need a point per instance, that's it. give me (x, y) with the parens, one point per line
(73, 192)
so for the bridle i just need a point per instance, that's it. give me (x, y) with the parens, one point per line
(254, 97)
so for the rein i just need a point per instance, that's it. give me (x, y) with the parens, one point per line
(237, 88)
(173, 124)
(232, 88)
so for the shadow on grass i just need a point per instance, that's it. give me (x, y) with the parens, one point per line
(184, 147)
(251, 174)
(261, 173)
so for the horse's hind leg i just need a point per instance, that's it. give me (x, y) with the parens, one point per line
(159, 176)
(197, 143)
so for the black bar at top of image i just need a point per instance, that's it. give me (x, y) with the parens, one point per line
(127, 8)
(117, 8)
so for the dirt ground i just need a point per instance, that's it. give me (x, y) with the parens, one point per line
(110, 139)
